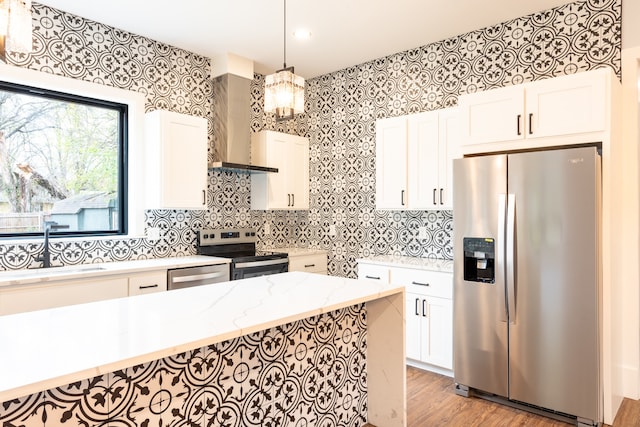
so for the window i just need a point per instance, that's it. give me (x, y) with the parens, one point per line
(62, 160)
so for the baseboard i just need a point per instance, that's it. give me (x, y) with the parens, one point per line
(431, 368)
(630, 386)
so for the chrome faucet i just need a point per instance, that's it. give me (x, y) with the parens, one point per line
(46, 254)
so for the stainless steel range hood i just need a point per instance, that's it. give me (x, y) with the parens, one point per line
(231, 122)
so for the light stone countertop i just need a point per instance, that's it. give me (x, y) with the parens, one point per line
(43, 275)
(49, 348)
(430, 264)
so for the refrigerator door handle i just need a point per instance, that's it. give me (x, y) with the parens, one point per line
(500, 252)
(510, 258)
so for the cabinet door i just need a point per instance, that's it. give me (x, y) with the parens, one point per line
(449, 149)
(566, 105)
(493, 116)
(391, 163)
(278, 191)
(423, 161)
(415, 314)
(298, 176)
(289, 187)
(438, 346)
(176, 160)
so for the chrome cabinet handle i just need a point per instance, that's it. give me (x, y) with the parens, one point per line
(530, 121)
(417, 299)
(518, 123)
(309, 265)
(424, 308)
(204, 197)
(441, 196)
(148, 286)
(293, 199)
(434, 196)
(420, 284)
(402, 198)
(372, 277)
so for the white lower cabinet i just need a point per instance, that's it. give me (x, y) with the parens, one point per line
(429, 330)
(57, 294)
(429, 313)
(373, 272)
(311, 263)
(147, 283)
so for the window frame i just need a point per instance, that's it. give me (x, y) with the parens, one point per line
(133, 129)
(122, 110)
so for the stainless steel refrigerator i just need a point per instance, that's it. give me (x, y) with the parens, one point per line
(527, 291)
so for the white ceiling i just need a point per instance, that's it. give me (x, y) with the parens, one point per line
(344, 32)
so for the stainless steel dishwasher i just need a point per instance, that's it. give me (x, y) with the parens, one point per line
(180, 278)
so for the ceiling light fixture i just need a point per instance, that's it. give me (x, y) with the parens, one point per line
(302, 34)
(283, 90)
(15, 27)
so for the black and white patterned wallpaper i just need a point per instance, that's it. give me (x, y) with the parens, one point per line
(307, 373)
(341, 109)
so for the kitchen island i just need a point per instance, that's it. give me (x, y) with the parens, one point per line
(293, 348)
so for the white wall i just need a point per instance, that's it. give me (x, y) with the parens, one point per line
(630, 27)
(631, 298)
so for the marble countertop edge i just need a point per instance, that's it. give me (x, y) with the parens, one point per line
(259, 313)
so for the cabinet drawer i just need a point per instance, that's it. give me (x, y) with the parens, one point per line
(316, 263)
(431, 283)
(147, 283)
(373, 272)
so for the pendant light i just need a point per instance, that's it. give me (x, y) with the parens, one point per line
(283, 90)
(15, 27)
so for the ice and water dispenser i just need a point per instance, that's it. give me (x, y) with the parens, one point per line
(479, 259)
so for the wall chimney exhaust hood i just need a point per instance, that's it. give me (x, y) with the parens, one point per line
(232, 76)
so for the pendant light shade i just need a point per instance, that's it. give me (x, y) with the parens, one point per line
(284, 94)
(284, 90)
(15, 27)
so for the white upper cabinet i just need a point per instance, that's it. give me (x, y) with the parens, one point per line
(563, 107)
(176, 152)
(414, 159)
(391, 163)
(287, 189)
(566, 105)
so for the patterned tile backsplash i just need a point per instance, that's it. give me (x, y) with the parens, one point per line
(341, 109)
(311, 372)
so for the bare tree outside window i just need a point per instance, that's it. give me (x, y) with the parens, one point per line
(59, 161)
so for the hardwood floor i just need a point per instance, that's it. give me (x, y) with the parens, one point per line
(432, 402)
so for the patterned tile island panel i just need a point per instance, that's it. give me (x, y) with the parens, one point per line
(341, 109)
(306, 373)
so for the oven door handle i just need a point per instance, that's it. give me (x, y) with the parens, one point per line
(264, 263)
(196, 277)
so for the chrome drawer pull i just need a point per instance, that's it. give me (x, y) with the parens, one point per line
(420, 284)
(372, 277)
(309, 265)
(148, 286)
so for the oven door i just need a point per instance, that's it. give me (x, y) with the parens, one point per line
(245, 268)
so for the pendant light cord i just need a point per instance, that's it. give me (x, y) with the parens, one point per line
(285, 35)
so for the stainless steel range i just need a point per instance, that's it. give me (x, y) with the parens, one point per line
(239, 244)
